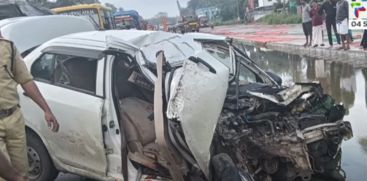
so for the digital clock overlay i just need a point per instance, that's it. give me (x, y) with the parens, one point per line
(357, 14)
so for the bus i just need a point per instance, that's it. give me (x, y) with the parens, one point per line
(99, 14)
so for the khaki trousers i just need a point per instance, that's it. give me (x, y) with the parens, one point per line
(13, 141)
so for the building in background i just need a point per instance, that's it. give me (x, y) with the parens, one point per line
(265, 3)
(209, 12)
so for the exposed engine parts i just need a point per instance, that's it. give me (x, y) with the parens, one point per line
(283, 140)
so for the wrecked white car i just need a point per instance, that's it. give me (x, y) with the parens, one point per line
(136, 105)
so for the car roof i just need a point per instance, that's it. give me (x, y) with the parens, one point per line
(136, 38)
(177, 47)
(98, 39)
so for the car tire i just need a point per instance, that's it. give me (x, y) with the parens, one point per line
(223, 169)
(41, 167)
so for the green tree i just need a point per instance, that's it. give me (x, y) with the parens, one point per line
(229, 9)
(196, 4)
(61, 3)
(113, 7)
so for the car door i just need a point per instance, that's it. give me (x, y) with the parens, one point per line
(70, 86)
(198, 91)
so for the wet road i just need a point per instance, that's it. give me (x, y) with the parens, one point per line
(346, 83)
(69, 177)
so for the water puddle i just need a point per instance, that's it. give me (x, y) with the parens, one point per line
(345, 83)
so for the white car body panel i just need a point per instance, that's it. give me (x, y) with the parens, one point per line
(101, 112)
(29, 32)
(79, 146)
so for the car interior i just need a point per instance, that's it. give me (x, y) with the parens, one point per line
(64, 70)
(81, 73)
(135, 100)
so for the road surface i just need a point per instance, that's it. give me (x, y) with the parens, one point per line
(69, 177)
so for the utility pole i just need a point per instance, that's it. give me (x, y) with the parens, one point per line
(238, 10)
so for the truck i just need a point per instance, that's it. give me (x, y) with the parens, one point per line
(188, 20)
(191, 23)
(127, 19)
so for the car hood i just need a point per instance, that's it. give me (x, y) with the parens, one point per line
(282, 96)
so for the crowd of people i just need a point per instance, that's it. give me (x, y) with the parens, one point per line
(335, 15)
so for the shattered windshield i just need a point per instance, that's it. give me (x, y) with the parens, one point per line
(9, 11)
(248, 71)
(246, 75)
(220, 52)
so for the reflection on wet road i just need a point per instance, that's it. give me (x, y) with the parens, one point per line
(345, 83)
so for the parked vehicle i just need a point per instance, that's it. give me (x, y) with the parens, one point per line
(192, 23)
(134, 105)
(128, 20)
(29, 32)
(100, 15)
(17, 8)
(204, 21)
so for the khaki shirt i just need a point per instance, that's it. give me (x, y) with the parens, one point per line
(10, 78)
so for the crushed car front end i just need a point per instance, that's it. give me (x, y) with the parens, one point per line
(277, 132)
(214, 101)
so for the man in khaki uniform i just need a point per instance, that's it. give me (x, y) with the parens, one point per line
(13, 71)
(7, 171)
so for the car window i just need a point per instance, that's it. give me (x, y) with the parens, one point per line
(68, 71)
(246, 75)
(219, 52)
(44, 67)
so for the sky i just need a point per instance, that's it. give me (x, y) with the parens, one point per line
(149, 8)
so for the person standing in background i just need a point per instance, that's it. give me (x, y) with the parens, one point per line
(342, 23)
(364, 40)
(316, 25)
(306, 22)
(329, 8)
(350, 35)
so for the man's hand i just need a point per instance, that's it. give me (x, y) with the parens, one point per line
(7, 171)
(20, 178)
(32, 91)
(51, 121)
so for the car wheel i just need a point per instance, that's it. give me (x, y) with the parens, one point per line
(41, 167)
(223, 169)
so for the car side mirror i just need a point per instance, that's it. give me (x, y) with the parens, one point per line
(275, 77)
